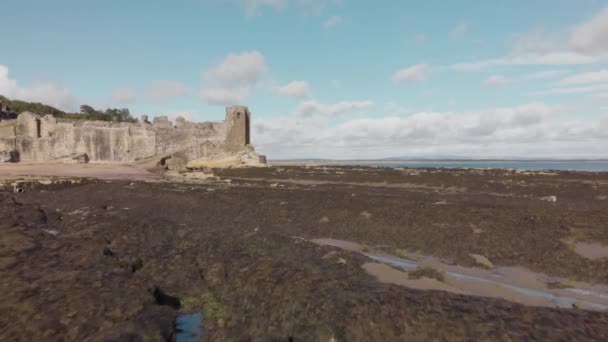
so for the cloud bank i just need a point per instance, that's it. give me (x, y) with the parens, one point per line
(534, 129)
(585, 43)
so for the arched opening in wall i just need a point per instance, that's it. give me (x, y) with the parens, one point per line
(38, 128)
(247, 129)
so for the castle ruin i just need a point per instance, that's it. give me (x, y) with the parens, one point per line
(36, 138)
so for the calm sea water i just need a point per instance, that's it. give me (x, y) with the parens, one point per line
(595, 166)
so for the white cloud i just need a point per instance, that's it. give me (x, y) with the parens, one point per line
(333, 22)
(591, 37)
(601, 96)
(311, 107)
(252, 7)
(225, 96)
(459, 31)
(124, 96)
(575, 90)
(8, 86)
(534, 129)
(496, 80)
(241, 68)
(537, 41)
(586, 43)
(414, 73)
(586, 77)
(161, 91)
(294, 89)
(50, 93)
(540, 75)
(550, 58)
(232, 80)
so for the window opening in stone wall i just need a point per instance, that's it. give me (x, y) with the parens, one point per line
(247, 129)
(38, 128)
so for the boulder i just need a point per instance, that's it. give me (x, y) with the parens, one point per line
(482, 260)
(176, 163)
(551, 199)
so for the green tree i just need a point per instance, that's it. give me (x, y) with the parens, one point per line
(86, 109)
(86, 112)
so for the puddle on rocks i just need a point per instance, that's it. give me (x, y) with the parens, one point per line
(515, 284)
(593, 251)
(188, 327)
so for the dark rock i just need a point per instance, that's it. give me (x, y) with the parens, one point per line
(163, 299)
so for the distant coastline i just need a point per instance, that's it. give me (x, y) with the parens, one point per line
(422, 160)
(588, 165)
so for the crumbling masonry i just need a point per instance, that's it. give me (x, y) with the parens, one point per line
(38, 138)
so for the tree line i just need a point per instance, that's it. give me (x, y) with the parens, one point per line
(86, 112)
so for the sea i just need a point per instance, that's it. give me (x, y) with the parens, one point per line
(567, 165)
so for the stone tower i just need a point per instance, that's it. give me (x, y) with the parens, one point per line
(237, 135)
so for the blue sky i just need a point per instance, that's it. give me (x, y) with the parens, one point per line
(331, 78)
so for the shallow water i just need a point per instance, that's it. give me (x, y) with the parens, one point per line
(511, 283)
(594, 166)
(591, 251)
(189, 327)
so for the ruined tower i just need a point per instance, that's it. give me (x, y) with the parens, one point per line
(237, 135)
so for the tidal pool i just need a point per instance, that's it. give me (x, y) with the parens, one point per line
(189, 327)
(515, 284)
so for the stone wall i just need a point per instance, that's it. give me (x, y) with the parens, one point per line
(8, 135)
(45, 138)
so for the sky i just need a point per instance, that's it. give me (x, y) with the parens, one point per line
(343, 79)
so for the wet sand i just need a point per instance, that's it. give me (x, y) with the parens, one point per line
(511, 283)
(99, 171)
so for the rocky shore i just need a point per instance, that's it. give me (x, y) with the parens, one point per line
(128, 259)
